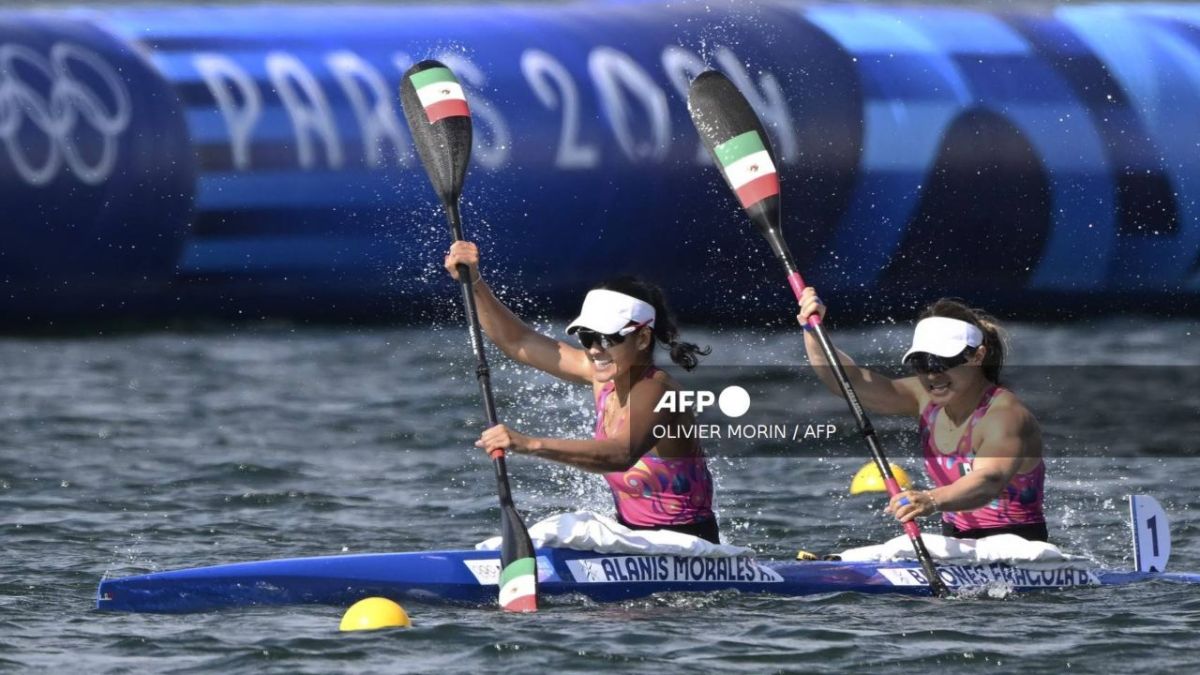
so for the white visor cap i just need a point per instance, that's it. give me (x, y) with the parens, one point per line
(943, 336)
(608, 312)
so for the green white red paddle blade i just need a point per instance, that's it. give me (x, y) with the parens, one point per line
(518, 564)
(440, 122)
(739, 144)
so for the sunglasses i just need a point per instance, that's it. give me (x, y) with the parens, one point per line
(588, 338)
(926, 363)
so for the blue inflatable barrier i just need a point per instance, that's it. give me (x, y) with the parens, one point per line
(253, 160)
(96, 174)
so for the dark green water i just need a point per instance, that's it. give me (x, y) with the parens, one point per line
(127, 454)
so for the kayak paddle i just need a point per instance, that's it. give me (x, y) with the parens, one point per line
(440, 122)
(736, 138)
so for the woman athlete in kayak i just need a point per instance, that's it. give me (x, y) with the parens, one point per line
(982, 446)
(656, 483)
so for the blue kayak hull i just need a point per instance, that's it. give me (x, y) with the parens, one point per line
(469, 577)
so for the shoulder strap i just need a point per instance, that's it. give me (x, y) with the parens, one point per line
(985, 402)
(927, 414)
(600, 401)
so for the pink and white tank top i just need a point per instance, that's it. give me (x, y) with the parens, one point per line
(1021, 501)
(655, 491)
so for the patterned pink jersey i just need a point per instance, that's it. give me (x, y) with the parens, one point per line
(655, 492)
(1021, 501)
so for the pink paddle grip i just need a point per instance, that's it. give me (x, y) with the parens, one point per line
(893, 487)
(798, 286)
(910, 528)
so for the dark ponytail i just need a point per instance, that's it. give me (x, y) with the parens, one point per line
(995, 338)
(685, 354)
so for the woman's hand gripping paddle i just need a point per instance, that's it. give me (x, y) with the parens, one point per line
(440, 123)
(738, 142)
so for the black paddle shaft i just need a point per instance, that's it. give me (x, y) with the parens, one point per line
(720, 113)
(483, 374)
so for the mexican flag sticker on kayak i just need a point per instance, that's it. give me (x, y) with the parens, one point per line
(440, 93)
(748, 167)
(518, 586)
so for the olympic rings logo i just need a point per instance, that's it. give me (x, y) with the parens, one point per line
(70, 107)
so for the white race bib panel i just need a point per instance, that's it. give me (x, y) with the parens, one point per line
(662, 568)
(960, 577)
(487, 572)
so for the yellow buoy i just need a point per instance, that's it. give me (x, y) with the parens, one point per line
(373, 613)
(868, 479)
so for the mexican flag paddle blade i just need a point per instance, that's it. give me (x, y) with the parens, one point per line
(738, 142)
(440, 121)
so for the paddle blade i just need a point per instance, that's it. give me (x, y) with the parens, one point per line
(739, 144)
(518, 564)
(440, 122)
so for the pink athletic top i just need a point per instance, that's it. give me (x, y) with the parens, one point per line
(1021, 501)
(655, 492)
